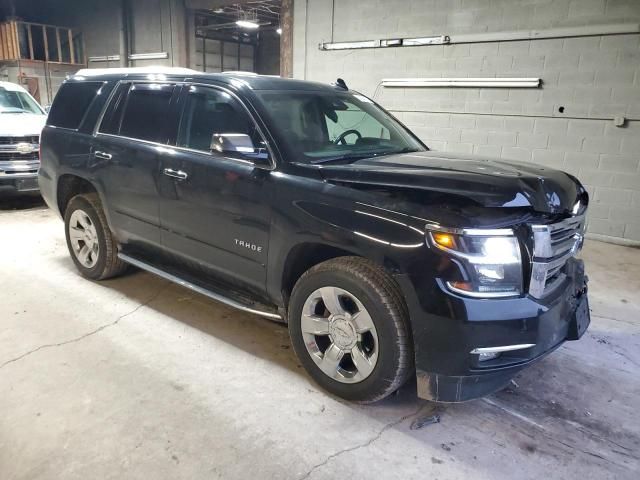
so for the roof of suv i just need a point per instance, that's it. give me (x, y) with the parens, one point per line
(237, 79)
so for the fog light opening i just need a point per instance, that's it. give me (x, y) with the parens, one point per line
(483, 357)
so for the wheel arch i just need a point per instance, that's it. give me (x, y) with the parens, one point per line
(70, 185)
(303, 256)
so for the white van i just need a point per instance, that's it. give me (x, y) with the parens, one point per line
(21, 121)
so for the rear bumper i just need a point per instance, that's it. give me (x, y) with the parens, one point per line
(447, 328)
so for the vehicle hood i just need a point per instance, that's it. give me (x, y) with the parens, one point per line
(487, 182)
(18, 124)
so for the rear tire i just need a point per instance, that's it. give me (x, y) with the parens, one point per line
(91, 244)
(349, 326)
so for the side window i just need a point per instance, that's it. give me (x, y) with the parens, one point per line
(71, 103)
(146, 111)
(350, 117)
(214, 121)
(112, 116)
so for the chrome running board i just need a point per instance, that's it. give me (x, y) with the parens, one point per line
(213, 295)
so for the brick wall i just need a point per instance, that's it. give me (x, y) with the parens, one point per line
(593, 79)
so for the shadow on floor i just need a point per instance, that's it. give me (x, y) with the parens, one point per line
(263, 338)
(23, 201)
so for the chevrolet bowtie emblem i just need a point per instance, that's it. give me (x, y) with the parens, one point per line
(25, 148)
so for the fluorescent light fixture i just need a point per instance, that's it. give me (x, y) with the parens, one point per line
(105, 58)
(247, 24)
(279, 31)
(489, 82)
(350, 45)
(392, 42)
(389, 42)
(414, 42)
(149, 56)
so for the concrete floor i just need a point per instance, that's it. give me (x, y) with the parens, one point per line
(139, 378)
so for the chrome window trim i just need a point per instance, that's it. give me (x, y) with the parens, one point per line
(96, 130)
(167, 146)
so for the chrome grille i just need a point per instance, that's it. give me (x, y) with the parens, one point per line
(6, 156)
(19, 155)
(19, 139)
(19, 167)
(553, 245)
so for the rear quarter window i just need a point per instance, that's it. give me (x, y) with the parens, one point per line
(71, 104)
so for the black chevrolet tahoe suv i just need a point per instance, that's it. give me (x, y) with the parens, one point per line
(310, 204)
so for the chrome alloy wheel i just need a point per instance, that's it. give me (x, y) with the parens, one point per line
(339, 335)
(84, 239)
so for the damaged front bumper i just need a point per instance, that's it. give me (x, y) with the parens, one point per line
(474, 347)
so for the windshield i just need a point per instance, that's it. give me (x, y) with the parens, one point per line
(12, 101)
(335, 126)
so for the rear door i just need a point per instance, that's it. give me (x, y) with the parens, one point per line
(216, 209)
(140, 120)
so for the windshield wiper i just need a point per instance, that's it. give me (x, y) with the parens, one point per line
(345, 157)
(396, 152)
(360, 156)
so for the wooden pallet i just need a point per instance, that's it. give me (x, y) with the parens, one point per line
(9, 47)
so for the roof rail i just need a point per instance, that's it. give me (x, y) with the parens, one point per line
(87, 72)
(241, 72)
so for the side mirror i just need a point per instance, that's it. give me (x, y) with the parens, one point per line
(47, 109)
(239, 145)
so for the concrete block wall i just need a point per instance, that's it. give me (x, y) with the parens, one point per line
(567, 123)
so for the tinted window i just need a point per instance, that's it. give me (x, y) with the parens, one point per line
(111, 120)
(209, 111)
(146, 113)
(71, 103)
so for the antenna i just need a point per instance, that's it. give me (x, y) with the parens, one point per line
(342, 84)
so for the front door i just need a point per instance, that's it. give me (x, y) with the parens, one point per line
(215, 210)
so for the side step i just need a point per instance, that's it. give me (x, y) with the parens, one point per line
(213, 295)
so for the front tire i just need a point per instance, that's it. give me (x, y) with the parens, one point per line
(349, 327)
(91, 244)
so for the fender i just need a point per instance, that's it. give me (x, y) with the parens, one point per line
(77, 164)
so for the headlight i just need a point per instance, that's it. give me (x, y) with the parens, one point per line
(490, 260)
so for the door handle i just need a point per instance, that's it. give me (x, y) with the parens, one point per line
(103, 155)
(179, 174)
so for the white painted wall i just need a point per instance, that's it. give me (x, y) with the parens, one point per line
(593, 77)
